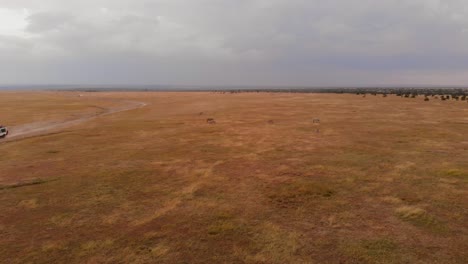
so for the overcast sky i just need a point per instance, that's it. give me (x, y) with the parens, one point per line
(234, 42)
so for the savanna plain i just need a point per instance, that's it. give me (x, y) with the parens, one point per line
(142, 177)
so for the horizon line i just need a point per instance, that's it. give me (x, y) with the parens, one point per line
(195, 86)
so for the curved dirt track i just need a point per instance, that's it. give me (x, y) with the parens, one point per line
(41, 128)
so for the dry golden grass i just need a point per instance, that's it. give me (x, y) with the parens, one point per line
(384, 180)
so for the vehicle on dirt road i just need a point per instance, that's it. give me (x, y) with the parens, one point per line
(3, 131)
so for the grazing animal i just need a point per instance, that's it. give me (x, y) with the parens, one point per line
(210, 121)
(316, 120)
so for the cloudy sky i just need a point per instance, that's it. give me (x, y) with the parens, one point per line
(234, 42)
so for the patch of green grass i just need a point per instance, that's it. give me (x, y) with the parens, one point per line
(273, 244)
(299, 192)
(95, 245)
(372, 251)
(456, 173)
(224, 216)
(62, 219)
(221, 227)
(420, 218)
(225, 223)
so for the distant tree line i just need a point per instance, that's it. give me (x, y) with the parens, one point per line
(436, 93)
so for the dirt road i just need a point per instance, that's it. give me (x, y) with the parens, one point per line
(41, 128)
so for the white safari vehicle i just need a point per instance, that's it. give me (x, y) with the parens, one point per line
(3, 131)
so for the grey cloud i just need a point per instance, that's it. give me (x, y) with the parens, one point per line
(296, 42)
(46, 21)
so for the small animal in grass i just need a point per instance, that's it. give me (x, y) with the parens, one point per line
(210, 121)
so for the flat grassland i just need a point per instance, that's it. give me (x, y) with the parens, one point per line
(378, 180)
